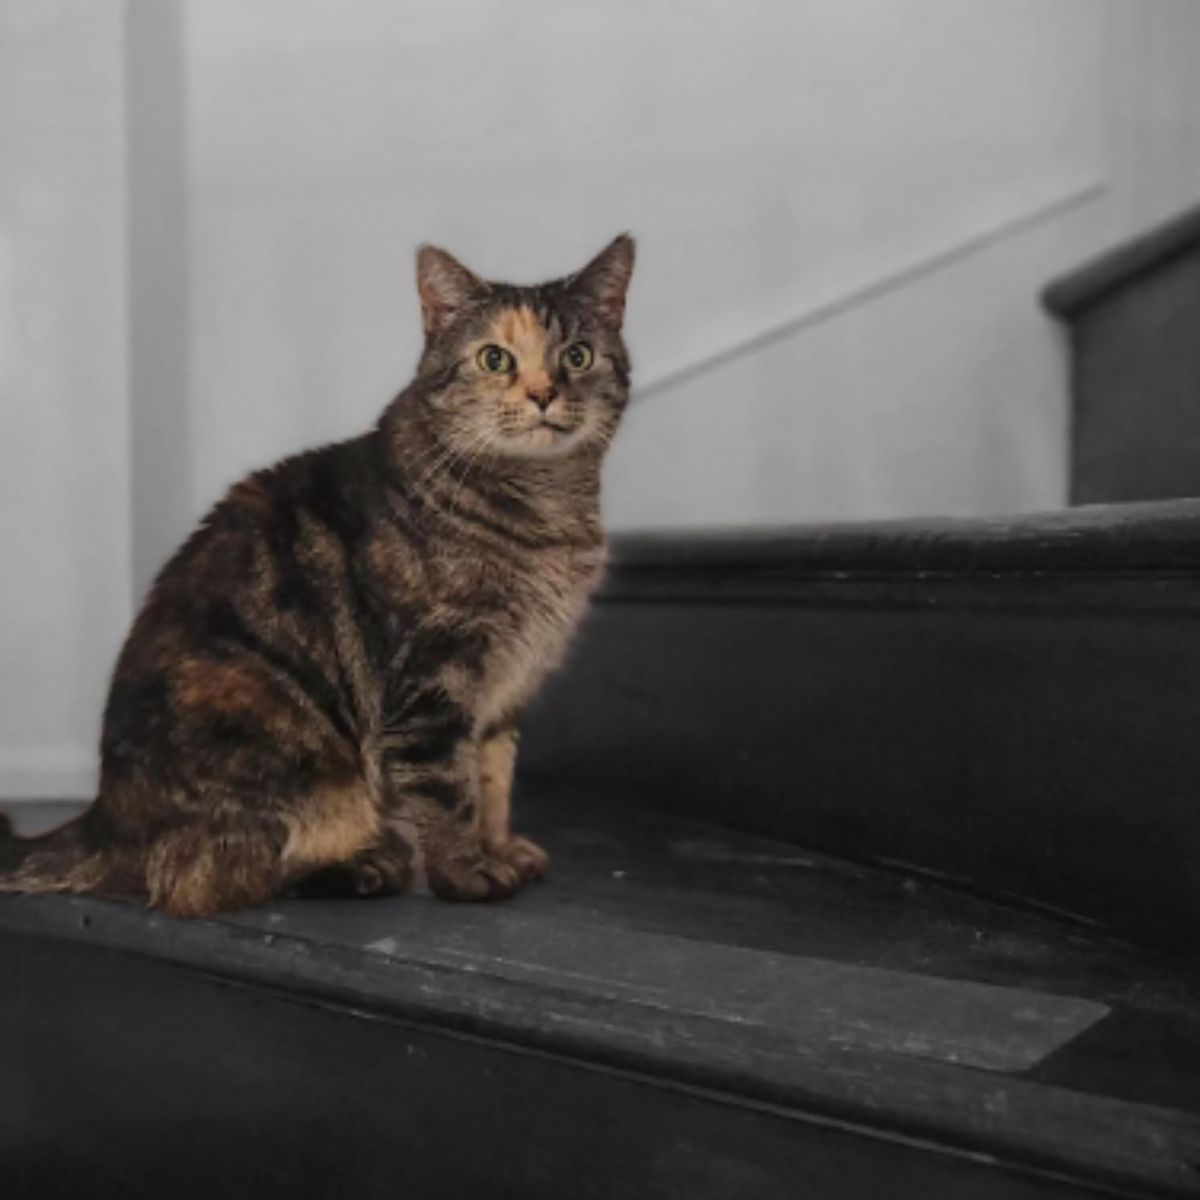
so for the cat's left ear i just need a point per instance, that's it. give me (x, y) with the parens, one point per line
(446, 287)
(605, 280)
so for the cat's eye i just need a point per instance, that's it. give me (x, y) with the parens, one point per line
(495, 360)
(577, 356)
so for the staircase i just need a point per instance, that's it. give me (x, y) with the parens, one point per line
(873, 875)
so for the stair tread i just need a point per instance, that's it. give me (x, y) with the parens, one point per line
(691, 953)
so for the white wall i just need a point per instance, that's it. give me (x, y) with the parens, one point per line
(846, 209)
(771, 157)
(64, 463)
(932, 382)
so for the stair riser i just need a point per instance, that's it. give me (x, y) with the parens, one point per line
(1010, 734)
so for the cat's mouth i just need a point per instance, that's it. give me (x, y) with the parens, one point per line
(547, 436)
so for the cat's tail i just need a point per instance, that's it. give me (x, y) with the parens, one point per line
(62, 860)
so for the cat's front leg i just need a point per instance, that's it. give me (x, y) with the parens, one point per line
(432, 774)
(497, 762)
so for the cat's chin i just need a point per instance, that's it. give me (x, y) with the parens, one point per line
(542, 441)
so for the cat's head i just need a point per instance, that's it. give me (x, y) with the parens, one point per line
(525, 371)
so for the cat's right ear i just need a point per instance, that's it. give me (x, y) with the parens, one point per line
(446, 287)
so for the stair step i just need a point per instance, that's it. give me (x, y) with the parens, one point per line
(867, 844)
(1010, 706)
(677, 1010)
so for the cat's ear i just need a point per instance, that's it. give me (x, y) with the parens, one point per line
(446, 287)
(605, 280)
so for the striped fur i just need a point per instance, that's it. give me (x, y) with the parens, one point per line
(322, 686)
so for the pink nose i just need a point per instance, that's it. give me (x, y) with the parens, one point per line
(541, 394)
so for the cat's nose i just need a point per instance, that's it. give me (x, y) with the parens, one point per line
(542, 395)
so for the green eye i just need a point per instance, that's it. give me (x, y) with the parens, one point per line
(577, 356)
(495, 360)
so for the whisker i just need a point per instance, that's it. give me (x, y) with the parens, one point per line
(447, 463)
(483, 445)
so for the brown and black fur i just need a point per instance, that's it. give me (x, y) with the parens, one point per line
(324, 681)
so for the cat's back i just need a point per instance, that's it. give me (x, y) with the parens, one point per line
(260, 565)
(334, 490)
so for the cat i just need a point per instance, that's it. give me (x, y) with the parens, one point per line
(323, 685)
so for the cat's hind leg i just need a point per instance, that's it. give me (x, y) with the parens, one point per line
(250, 853)
(197, 871)
(383, 869)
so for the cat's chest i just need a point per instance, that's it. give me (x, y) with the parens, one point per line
(528, 633)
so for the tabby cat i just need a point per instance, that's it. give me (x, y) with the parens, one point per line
(323, 684)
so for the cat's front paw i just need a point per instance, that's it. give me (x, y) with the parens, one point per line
(484, 877)
(527, 858)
